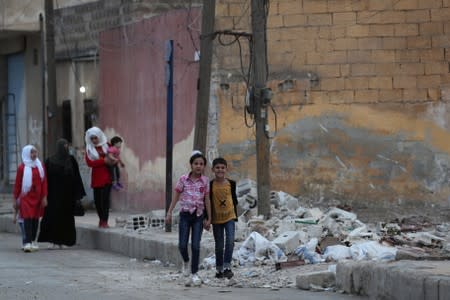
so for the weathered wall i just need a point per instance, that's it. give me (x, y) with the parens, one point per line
(361, 99)
(79, 24)
(133, 101)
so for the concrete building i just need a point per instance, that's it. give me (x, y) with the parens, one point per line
(361, 98)
(360, 109)
(21, 74)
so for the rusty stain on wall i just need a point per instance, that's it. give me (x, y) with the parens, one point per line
(368, 156)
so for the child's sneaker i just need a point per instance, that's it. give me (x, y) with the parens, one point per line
(27, 247)
(196, 280)
(34, 246)
(227, 273)
(116, 187)
(119, 185)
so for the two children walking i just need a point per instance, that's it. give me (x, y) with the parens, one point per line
(203, 203)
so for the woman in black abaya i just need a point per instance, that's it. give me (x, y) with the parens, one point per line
(64, 188)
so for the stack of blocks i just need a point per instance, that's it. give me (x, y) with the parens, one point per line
(137, 222)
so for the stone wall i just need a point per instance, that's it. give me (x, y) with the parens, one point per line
(77, 27)
(361, 113)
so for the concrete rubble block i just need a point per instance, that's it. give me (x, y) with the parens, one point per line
(290, 201)
(300, 211)
(137, 222)
(315, 213)
(408, 253)
(288, 241)
(252, 200)
(324, 279)
(315, 231)
(275, 198)
(337, 213)
(244, 186)
(282, 199)
(446, 248)
(287, 225)
(428, 239)
(157, 218)
(121, 222)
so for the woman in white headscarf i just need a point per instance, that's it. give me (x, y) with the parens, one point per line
(96, 150)
(31, 189)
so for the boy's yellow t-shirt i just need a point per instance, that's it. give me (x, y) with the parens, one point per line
(222, 203)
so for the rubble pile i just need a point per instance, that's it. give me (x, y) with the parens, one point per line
(298, 239)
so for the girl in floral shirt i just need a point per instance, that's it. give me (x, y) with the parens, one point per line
(192, 191)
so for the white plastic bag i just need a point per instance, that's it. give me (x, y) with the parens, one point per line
(257, 247)
(337, 253)
(372, 251)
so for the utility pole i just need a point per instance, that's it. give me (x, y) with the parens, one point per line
(52, 114)
(206, 49)
(169, 127)
(260, 101)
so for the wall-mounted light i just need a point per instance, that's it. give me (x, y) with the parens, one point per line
(82, 89)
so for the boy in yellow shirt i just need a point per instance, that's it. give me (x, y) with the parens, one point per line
(224, 214)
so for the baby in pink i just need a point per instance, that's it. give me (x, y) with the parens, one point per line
(114, 161)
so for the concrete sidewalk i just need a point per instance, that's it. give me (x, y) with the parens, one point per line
(408, 280)
(150, 244)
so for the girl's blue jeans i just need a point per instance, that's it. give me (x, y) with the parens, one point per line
(190, 224)
(224, 240)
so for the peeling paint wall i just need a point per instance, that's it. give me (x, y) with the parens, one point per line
(133, 102)
(360, 98)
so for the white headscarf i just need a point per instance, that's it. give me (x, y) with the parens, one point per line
(27, 180)
(196, 152)
(90, 147)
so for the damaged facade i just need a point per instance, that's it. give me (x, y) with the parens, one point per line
(360, 109)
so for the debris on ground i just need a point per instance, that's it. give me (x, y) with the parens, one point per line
(298, 239)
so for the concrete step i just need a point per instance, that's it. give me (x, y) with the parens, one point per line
(399, 280)
(150, 245)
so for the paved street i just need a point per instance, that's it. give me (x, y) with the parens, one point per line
(88, 274)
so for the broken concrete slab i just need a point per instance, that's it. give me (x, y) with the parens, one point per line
(324, 279)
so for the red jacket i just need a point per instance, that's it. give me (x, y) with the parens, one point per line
(100, 174)
(31, 203)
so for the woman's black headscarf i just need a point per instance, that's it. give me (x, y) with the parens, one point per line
(62, 156)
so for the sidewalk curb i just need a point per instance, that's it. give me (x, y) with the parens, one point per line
(150, 246)
(400, 280)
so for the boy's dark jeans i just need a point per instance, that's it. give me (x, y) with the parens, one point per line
(224, 233)
(190, 223)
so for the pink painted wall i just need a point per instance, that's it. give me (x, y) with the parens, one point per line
(133, 95)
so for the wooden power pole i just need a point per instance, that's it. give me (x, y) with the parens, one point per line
(206, 49)
(52, 114)
(259, 77)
